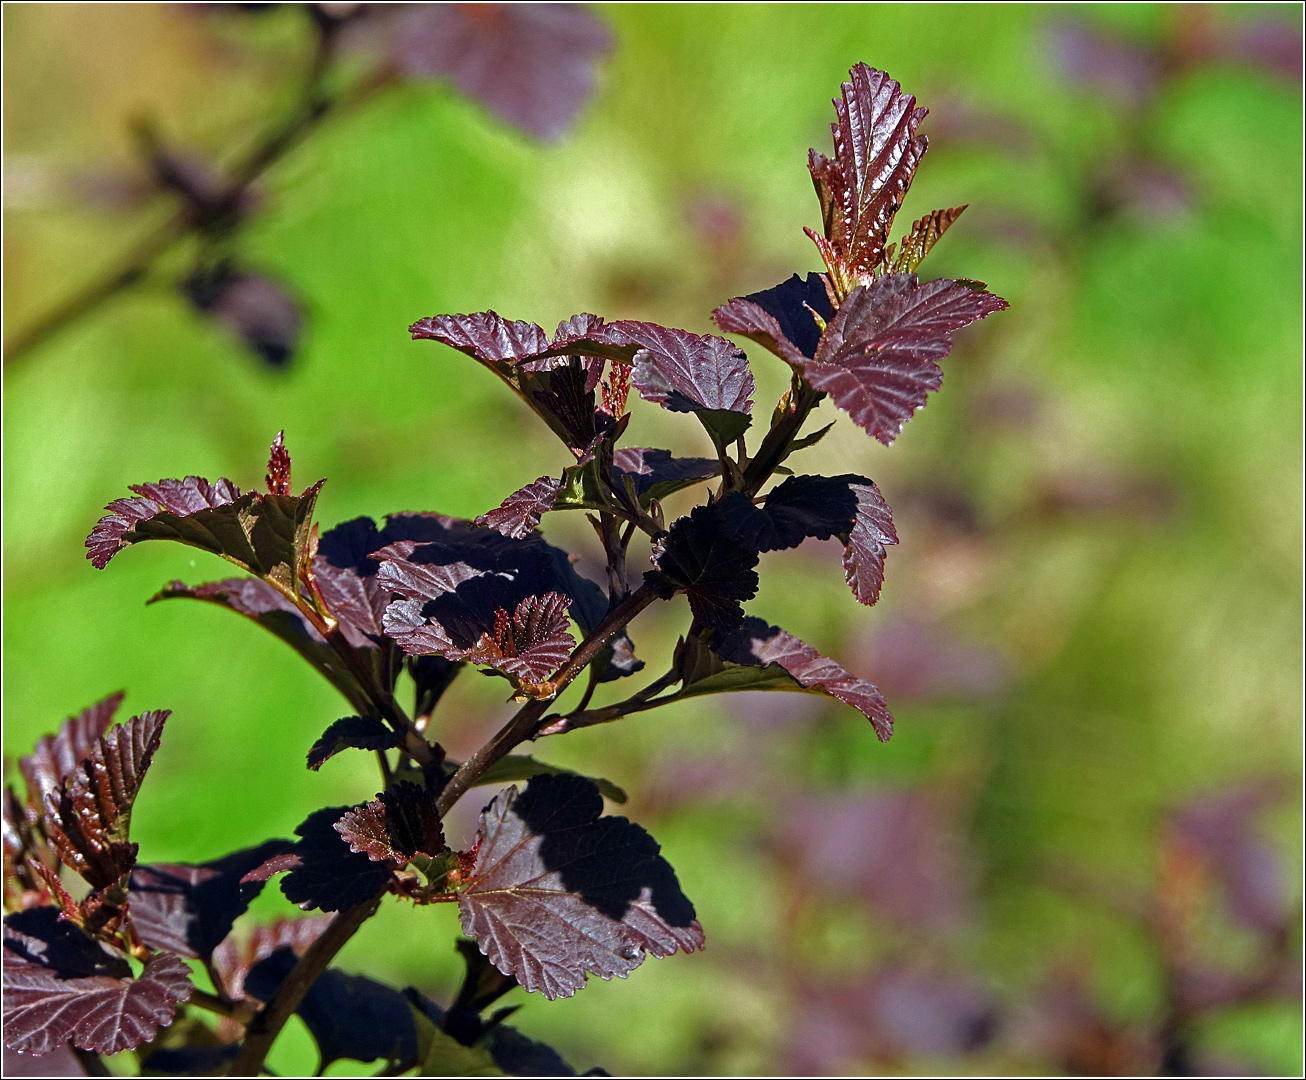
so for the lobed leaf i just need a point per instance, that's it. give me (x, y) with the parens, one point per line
(356, 732)
(189, 910)
(924, 234)
(702, 560)
(756, 643)
(519, 514)
(557, 892)
(686, 372)
(878, 356)
(655, 474)
(399, 823)
(55, 756)
(783, 319)
(876, 151)
(62, 986)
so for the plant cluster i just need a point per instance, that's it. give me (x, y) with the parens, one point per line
(553, 890)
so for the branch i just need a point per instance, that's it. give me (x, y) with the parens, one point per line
(268, 1022)
(775, 447)
(581, 717)
(519, 728)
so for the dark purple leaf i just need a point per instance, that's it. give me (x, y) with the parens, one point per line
(399, 823)
(878, 356)
(55, 756)
(268, 535)
(531, 65)
(232, 962)
(349, 1016)
(62, 986)
(876, 151)
(23, 884)
(782, 319)
(803, 506)
(323, 872)
(259, 601)
(431, 676)
(684, 372)
(897, 849)
(89, 820)
(257, 310)
(519, 514)
(189, 910)
(61, 1061)
(702, 560)
(519, 1055)
(358, 732)
(864, 548)
(753, 642)
(655, 474)
(924, 234)
(557, 892)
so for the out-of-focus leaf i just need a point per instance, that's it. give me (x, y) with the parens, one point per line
(54, 757)
(655, 474)
(349, 1016)
(232, 961)
(266, 534)
(878, 356)
(557, 892)
(189, 910)
(702, 560)
(916, 661)
(62, 986)
(924, 234)
(61, 1061)
(1100, 60)
(531, 65)
(876, 151)
(399, 823)
(357, 732)
(754, 642)
(89, 820)
(257, 310)
(519, 514)
(323, 872)
(782, 319)
(522, 767)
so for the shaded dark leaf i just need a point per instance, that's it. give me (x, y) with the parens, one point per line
(189, 910)
(782, 319)
(531, 65)
(89, 820)
(323, 872)
(556, 891)
(715, 571)
(878, 356)
(655, 474)
(483, 984)
(232, 961)
(876, 151)
(357, 732)
(399, 823)
(268, 535)
(349, 1016)
(521, 767)
(754, 642)
(431, 676)
(518, 1055)
(256, 309)
(54, 757)
(62, 986)
(519, 514)
(924, 234)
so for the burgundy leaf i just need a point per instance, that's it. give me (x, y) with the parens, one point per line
(278, 475)
(24, 884)
(531, 65)
(531, 643)
(557, 892)
(864, 547)
(399, 823)
(55, 756)
(876, 151)
(189, 910)
(358, 732)
(88, 821)
(519, 514)
(878, 356)
(232, 962)
(684, 372)
(924, 234)
(656, 474)
(349, 1016)
(62, 986)
(485, 336)
(702, 560)
(268, 535)
(323, 872)
(756, 643)
(782, 319)
(803, 506)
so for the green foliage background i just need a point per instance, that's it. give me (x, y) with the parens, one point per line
(1154, 655)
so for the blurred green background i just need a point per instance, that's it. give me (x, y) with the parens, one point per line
(1094, 614)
